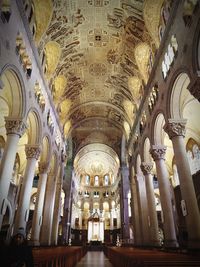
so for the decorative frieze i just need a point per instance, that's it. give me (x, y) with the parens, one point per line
(15, 126)
(175, 128)
(32, 151)
(146, 167)
(158, 152)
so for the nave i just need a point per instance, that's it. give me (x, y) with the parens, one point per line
(94, 259)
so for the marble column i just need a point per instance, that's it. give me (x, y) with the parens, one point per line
(58, 200)
(176, 132)
(32, 155)
(37, 215)
(143, 209)
(158, 154)
(56, 215)
(14, 130)
(137, 231)
(46, 228)
(124, 202)
(154, 232)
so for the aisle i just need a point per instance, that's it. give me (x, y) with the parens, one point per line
(94, 259)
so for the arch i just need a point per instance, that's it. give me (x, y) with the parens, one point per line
(183, 105)
(158, 132)
(13, 91)
(34, 127)
(146, 155)
(138, 164)
(100, 103)
(177, 99)
(46, 149)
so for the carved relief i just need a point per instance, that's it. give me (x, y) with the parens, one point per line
(175, 128)
(32, 151)
(146, 167)
(158, 152)
(15, 126)
(43, 167)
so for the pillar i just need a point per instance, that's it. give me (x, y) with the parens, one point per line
(124, 202)
(37, 215)
(153, 221)
(14, 130)
(56, 215)
(176, 132)
(135, 213)
(143, 209)
(158, 154)
(32, 155)
(46, 228)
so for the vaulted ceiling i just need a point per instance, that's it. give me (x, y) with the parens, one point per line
(97, 55)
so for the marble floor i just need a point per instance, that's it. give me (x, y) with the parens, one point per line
(94, 259)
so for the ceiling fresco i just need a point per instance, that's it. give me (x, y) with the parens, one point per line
(98, 55)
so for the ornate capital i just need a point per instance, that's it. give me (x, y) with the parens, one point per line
(146, 167)
(158, 152)
(32, 151)
(15, 126)
(194, 88)
(175, 128)
(43, 167)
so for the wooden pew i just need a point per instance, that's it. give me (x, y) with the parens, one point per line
(57, 256)
(129, 257)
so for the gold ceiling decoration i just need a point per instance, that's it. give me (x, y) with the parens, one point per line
(97, 54)
(142, 54)
(59, 86)
(135, 86)
(67, 127)
(43, 13)
(52, 52)
(152, 12)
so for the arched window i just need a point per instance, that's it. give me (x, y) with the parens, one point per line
(106, 179)
(87, 179)
(96, 180)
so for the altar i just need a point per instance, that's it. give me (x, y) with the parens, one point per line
(95, 229)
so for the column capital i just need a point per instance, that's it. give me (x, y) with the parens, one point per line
(175, 127)
(158, 152)
(15, 126)
(32, 151)
(146, 167)
(194, 87)
(43, 167)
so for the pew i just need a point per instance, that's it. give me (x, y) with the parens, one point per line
(129, 257)
(57, 256)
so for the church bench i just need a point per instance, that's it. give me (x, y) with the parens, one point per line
(57, 256)
(129, 257)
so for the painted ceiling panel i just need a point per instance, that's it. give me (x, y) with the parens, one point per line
(99, 63)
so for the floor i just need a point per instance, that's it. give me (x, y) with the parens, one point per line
(94, 259)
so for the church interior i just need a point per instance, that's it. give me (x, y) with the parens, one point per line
(102, 150)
